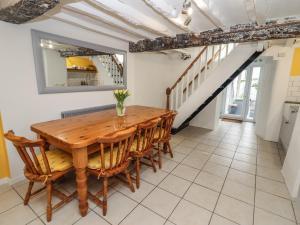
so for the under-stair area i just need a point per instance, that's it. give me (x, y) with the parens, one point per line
(209, 73)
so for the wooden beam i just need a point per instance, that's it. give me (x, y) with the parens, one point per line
(236, 34)
(22, 11)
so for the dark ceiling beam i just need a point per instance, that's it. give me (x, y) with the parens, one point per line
(22, 11)
(80, 51)
(236, 34)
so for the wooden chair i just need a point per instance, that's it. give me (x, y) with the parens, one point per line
(143, 147)
(113, 159)
(44, 166)
(162, 136)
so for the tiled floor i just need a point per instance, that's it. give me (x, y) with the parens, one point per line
(221, 177)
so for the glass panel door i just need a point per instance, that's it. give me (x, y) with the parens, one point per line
(234, 100)
(239, 97)
(253, 90)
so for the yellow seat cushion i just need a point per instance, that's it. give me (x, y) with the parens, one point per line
(95, 160)
(58, 160)
(134, 145)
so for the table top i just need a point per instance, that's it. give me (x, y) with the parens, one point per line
(84, 130)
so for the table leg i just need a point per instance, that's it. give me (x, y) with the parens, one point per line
(80, 160)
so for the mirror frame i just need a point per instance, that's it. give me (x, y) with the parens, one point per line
(40, 71)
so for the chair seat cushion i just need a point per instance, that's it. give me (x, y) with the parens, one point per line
(134, 147)
(95, 160)
(58, 160)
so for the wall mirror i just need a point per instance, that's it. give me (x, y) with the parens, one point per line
(68, 65)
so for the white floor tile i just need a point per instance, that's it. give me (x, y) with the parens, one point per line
(239, 191)
(91, 218)
(218, 220)
(243, 166)
(185, 172)
(153, 178)
(274, 204)
(216, 169)
(210, 181)
(9, 199)
(4, 188)
(183, 149)
(139, 194)
(272, 187)
(241, 177)
(187, 213)
(118, 207)
(202, 196)
(245, 158)
(37, 222)
(68, 214)
(270, 173)
(235, 210)
(142, 215)
(168, 165)
(224, 153)
(220, 160)
(262, 217)
(161, 202)
(175, 185)
(18, 215)
(205, 148)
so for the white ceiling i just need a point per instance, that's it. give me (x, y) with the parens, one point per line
(132, 20)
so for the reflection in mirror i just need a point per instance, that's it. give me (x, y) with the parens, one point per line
(69, 66)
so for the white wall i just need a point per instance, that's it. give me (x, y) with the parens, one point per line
(55, 68)
(20, 103)
(275, 95)
(209, 117)
(264, 95)
(291, 166)
(155, 72)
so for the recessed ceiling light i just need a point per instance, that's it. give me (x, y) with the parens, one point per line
(50, 46)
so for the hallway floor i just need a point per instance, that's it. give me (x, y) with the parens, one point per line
(221, 177)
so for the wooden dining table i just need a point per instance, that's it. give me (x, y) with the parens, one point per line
(78, 135)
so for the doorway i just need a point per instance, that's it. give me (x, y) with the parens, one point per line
(240, 96)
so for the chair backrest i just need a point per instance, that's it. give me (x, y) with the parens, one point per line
(165, 126)
(145, 135)
(114, 149)
(27, 151)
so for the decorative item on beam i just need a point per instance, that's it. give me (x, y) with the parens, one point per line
(235, 34)
(23, 11)
(80, 51)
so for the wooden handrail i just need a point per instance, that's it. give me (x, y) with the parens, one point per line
(120, 67)
(169, 90)
(203, 68)
(188, 68)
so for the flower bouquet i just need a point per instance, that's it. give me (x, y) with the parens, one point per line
(121, 95)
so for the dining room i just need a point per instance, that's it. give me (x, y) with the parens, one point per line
(110, 112)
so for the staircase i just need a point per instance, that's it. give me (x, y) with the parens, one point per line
(209, 73)
(113, 68)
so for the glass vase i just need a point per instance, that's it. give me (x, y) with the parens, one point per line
(120, 108)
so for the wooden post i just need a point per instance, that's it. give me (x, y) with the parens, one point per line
(168, 92)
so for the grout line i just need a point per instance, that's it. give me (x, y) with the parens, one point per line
(253, 219)
(223, 186)
(156, 186)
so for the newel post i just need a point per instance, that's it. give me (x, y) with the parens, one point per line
(168, 92)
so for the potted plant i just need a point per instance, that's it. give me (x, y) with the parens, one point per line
(121, 95)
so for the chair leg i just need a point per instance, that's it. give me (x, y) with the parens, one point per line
(105, 189)
(137, 172)
(152, 161)
(49, 201)
(170, 149)
(28, 194)
(129, 181)
(159, 156)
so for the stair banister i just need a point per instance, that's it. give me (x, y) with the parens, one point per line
(180, 78)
